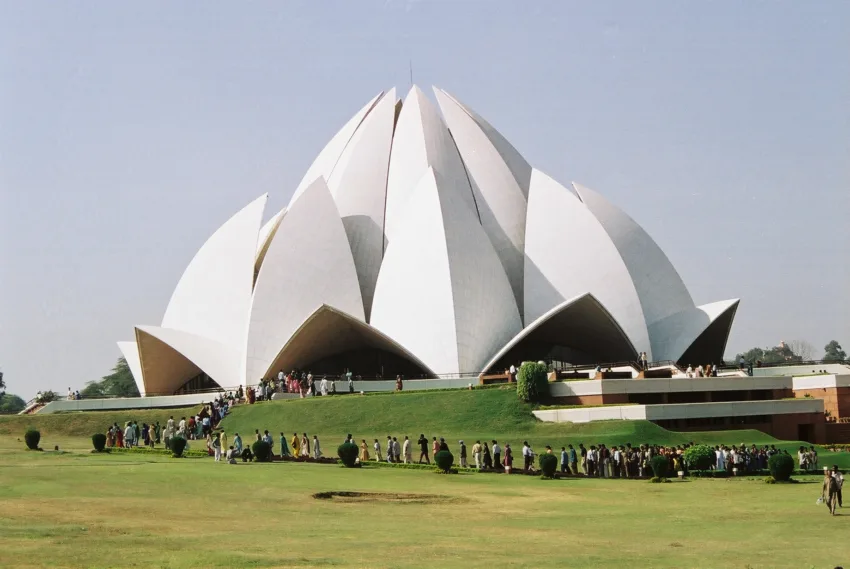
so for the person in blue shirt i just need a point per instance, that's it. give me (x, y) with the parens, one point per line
(573, 460)
(237, 444)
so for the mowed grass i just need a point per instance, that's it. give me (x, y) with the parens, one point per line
(85, 424)
(99, 511)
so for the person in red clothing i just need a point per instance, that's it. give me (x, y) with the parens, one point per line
(508, 460)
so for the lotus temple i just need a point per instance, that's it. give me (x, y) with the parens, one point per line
(420, 242)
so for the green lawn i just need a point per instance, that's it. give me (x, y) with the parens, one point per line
(484, 414)
(85, 424)
(97, 511)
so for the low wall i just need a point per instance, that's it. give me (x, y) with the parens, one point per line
(120, 403)
(680, 411)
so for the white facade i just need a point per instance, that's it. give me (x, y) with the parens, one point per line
(432, 239)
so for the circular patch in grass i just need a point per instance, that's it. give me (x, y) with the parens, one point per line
(386, 497)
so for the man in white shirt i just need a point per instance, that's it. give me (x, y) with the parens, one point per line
(396, 450)
(324, 386)
(70, 394)
(497, 453)
(513, 372)
(129, 436)
(527, 455)
(408, 457)
(689, 372)
(181, 428)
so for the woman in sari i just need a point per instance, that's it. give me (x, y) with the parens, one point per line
(110, 438)
(364, 451)
(120, 436)
(508, 461)
(296, 447)
(284, 448)
(305, 446)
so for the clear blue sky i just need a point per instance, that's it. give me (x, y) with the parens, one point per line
(130, 131)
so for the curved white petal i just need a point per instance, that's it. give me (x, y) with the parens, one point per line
(500, 197)
(325, 162)
(359, 187)
(213, 296)
(660, 288)
(308, 264)
(672, 336)
(328, 332)
(421, 141)
(169, 358)
(568, 253)
(580, 328)
(267, 232)
(519, 167)
(130, 351)
(442, 292)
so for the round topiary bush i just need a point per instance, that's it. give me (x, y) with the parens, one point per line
(699, 457)
(32, 437)
(347, 453)
(444, 460)
(659, 464)
(781, 467)
(98, 440)
(548, 464)
(178, 445)
(532, 383)
(262, 451)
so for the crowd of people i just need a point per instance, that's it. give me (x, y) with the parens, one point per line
(197, 427)
(305, 385)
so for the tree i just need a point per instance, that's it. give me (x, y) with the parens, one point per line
(11, 404)
(119, 383)
(773, 355)
(803, 349)
(833, 352)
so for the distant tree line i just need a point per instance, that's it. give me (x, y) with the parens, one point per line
(798, 350)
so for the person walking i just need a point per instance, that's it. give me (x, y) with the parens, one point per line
(527, 455)
(435, 447)
(216, 444)
(829, 491)
(573, 460)
(508, 461)
(390, 449)
(396, 450)
(462, 455)
(377, 448)
(284, 448)
(488, 459)
(305, 446)
(497, 453)
(839, 478)
(296, 445)
(565, 459)
(423, 449)
(476, 454)
(364, 451)
(408, 456)
(317, 449)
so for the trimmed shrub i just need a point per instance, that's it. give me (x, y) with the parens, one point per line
(781, 467)
(348, 453)
(444, 460)
(699, 457)
(98, 440)
(32, 437)
(548, 464)
(178, 445)
(262, 451)
(532, 382)
(659, 464)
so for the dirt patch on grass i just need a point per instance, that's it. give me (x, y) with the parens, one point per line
(387, 497)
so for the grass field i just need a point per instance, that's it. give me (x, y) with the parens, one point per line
(99, 511)
(78, 509)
